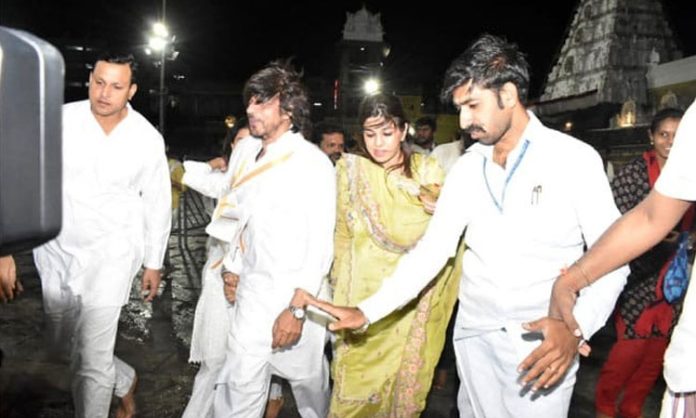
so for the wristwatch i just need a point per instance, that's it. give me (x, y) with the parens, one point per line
(297, 312)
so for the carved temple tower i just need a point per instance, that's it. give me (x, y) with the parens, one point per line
(600, 71)
(362, 51)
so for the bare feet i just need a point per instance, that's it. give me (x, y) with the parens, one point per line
(273, 408)
(126, 409)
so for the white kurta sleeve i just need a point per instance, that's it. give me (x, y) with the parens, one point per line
(419, 266)
(202, 178)
(596, 211)
(156, 195)
(678, 177)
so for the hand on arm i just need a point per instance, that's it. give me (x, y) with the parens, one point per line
(218, 163)
(231, 281)
(548, 363)
(631, 235)
(150, 284)
(346, 318)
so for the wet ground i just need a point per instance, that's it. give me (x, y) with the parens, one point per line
(154, 339)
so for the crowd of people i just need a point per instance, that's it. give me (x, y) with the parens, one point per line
(508, 253)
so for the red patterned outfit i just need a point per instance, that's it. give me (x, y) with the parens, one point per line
(644, 320)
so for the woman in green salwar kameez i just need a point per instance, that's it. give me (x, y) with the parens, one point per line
(384, 205)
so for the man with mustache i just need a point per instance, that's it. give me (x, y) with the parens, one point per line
(331, 139)
(116, 219)
(282, 199)
(530, 198)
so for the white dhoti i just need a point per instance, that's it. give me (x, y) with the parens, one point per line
(88, 336)
(247, 379)
(490, 384)
(209, 337)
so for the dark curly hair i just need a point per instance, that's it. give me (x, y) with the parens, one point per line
(489, 62)
(280, 78)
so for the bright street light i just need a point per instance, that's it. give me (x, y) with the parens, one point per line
(371, 86)
(160, 30)
(157, 44)
(161, 42)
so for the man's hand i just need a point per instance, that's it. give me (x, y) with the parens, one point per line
(550, 361)
(286, 330)
(9, 285)
(347, 318)
(151, 282)
(218, 163)
(230, 287)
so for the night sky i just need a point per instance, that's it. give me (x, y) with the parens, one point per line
(228, 40)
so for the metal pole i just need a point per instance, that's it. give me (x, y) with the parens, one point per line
(162, 91)
(163, 60)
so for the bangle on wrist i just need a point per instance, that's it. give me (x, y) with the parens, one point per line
(584, 274)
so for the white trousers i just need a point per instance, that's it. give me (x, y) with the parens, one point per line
(674, 405)
(245, 394)
(201, 403)
(88, 336)
(487, 367)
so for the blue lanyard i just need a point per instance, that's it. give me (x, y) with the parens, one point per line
(507, 180)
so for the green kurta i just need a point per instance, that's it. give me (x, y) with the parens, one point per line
(387, 371)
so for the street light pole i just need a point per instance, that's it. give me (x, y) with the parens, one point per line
(163, 60)
(163, 42)
(162, 91)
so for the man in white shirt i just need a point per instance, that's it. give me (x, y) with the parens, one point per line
(282, 204)
(633, 234)
(529, 198)
(448, 153)
(116, 218)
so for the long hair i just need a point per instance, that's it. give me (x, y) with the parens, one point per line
(280, 78)
(489, 62)
(389, 107)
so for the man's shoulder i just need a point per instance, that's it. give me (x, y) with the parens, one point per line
(74, 109)
(311, 154)
(138, 121)
(563, 143)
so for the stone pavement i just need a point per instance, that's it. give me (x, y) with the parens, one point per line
(154, 339)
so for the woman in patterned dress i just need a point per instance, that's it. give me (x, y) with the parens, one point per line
(385, 200)
(644, 319)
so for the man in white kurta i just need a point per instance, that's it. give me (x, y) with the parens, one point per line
(283, 198)
(116, 219)
(529, 199)
(447, 154)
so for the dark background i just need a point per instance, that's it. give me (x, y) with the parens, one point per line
(229, 40)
